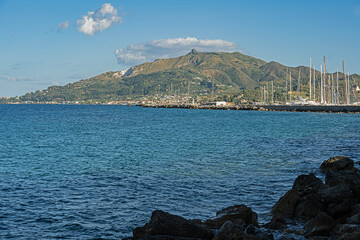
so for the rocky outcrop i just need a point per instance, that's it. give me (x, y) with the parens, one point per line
(329, 211)
(163, 224)
(337, 163)
(233, 213)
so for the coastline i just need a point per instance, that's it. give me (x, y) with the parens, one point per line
(243, 107)
(283, 108)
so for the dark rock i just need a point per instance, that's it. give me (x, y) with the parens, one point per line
(239, 223)
(276, 223)
(356, 191)
(337, 163)
(321, 225)
(291, 234)
(341, 210)
(285, 207)
(254, 233)
(355, 209)
(230, 231)
(224, 231)
(342, 230)
(350, 236)
(164, 237)
(334, 194)
(355, 219)
(342, 177)
(233, 213)
(306, 184)
(308, 207)
(162, 223)
(319, 238)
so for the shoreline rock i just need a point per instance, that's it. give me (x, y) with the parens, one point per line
(329, 210)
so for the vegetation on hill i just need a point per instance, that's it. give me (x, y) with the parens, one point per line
(211, 75)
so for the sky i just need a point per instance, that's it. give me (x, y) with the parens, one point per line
(45, 43)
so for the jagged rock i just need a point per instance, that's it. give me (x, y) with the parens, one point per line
(233, 213)
(342, 177)
(224, 231)
(308, 207)
(319, 238)
(345, 231)
(334, 194)
(276, 223)
(341, 210)
(163, 237)
(337, 163)
(230, 231)
(306, 184)
(254, 233)
(321, 225)
(350, 236)
(289, 231)
(355, 209)
(356, 191)
(355, 219)
(163, 223)
(285, 207)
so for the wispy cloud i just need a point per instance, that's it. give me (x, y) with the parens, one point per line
(63, 25)
(18, 79)
(172, 47)
(98, 20)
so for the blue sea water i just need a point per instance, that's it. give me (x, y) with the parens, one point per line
(84, 172)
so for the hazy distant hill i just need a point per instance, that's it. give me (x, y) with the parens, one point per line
(197, 73)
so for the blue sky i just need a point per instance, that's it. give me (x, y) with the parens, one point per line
(46, 43)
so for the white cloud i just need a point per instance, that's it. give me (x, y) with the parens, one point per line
(63, 25)
(172, 47)
(16, 79)
(99, 20)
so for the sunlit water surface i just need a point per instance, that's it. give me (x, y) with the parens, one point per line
(98, 171)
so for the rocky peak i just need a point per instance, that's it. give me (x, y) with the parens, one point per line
(194, 51)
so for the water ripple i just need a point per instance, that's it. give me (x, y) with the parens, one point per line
(97, 171)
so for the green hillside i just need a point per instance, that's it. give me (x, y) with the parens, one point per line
(207, 74)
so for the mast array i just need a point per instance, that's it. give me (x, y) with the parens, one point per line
(325, 89)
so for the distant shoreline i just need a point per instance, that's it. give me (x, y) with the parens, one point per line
(244, 107)
(286, 108)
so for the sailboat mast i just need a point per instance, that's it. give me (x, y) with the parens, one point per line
(337, 86)
(314, 77)
(344, 82)
(332, 88)
(321, 85)
(349, 89)
(286, 93)
(310, 81)
(325, 81)
(272, 91)
(290, 85)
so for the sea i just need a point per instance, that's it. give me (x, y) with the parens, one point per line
(97, 172)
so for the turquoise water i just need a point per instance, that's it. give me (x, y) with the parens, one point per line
(98, 171)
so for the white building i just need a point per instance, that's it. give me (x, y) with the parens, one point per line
(218, 104)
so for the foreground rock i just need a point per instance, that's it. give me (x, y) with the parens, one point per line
(163, 224)
(337, 163)
(329, 211)
(233, 214)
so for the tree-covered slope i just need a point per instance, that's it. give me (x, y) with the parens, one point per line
(197, 73)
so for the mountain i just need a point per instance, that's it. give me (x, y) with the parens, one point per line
(197, 74)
